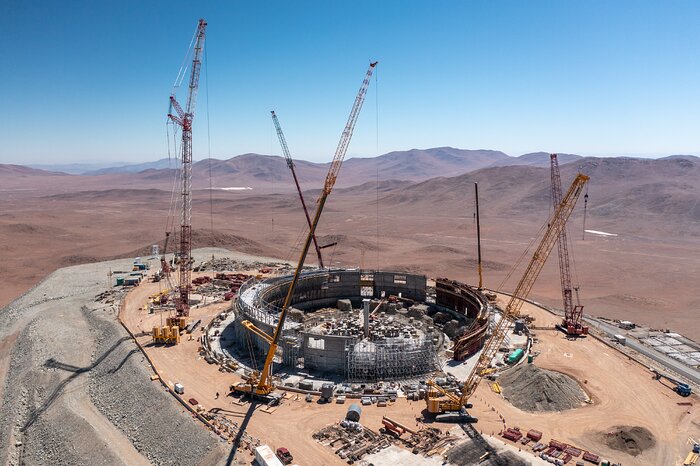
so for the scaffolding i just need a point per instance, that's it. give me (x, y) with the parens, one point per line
(370, 361)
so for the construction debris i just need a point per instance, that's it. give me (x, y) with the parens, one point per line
(350, 440)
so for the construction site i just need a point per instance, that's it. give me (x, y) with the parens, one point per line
(268, 362)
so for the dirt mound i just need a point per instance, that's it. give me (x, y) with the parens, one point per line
(632, 440)
(530, 388)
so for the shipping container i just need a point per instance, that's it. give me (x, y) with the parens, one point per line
(558, 445)
(590, 457)
(515, 356)
(535, 435)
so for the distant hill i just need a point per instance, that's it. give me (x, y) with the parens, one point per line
(9, 170)
(626, 195)
(422, 164)
(265, 171)
(536, 159)
(133, 168)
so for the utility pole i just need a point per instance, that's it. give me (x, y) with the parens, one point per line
(478, 237)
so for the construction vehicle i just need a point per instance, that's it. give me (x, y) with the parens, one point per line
(290, 164)
(451, 407)
(573, 313)
(259, 383)
(184, 119)
(682, 388)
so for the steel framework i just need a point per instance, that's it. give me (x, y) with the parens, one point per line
(183, 118)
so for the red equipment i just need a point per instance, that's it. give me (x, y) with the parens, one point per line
(184, 120)
(572, 324)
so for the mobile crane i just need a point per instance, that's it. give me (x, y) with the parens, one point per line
(449, 407)
(259, 384)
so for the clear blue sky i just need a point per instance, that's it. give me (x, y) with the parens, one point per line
(89, 80)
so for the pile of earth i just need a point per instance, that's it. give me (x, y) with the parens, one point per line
(632, 440)
(530, 388)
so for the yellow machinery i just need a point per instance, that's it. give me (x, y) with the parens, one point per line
(450, 407)
(259, 384)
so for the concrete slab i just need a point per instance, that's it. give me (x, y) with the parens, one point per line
(665, 349)
(394, 455)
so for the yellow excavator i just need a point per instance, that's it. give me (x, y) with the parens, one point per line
(451, 407)
(259, 384)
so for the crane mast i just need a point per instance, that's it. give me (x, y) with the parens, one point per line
(435, 402)
(572, 312)
(183, 118)
(290, 164)
(261, 384)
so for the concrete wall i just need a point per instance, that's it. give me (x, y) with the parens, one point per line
(325, 352)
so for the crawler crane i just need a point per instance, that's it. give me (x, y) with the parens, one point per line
(450, 407)
(184, 118)
(573, 313)
(259, 384)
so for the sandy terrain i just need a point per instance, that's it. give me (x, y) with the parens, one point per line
(291, 425)
(623, 393)
(69, 375)
(631, 277)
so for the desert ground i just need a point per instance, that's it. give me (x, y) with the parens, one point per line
(644, 274)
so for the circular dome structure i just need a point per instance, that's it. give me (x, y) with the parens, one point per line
(362, 325)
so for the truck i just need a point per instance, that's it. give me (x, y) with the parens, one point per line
(264, 456)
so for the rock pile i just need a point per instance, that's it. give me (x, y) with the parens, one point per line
(530, 388)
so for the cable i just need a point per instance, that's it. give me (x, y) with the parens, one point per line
(523, 255)
(211, 191)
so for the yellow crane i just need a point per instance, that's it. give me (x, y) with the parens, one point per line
(448, 406)
(259, 384)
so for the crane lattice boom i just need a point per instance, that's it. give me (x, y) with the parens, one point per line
(555, 224)
(290, 164)
(184, 119)
(347, 132)
(260, 384)
(572, 313)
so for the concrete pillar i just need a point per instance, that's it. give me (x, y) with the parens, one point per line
(365, 314)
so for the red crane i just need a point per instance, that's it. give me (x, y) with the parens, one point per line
(572, 323)
(184, 120)
(290, 164)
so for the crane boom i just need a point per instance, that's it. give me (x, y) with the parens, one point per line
(347, 132)
(290, 164)
(261, 384)
(572, 313)
(183, 118)
(556, 223)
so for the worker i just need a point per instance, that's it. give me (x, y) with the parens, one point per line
(217, 396)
